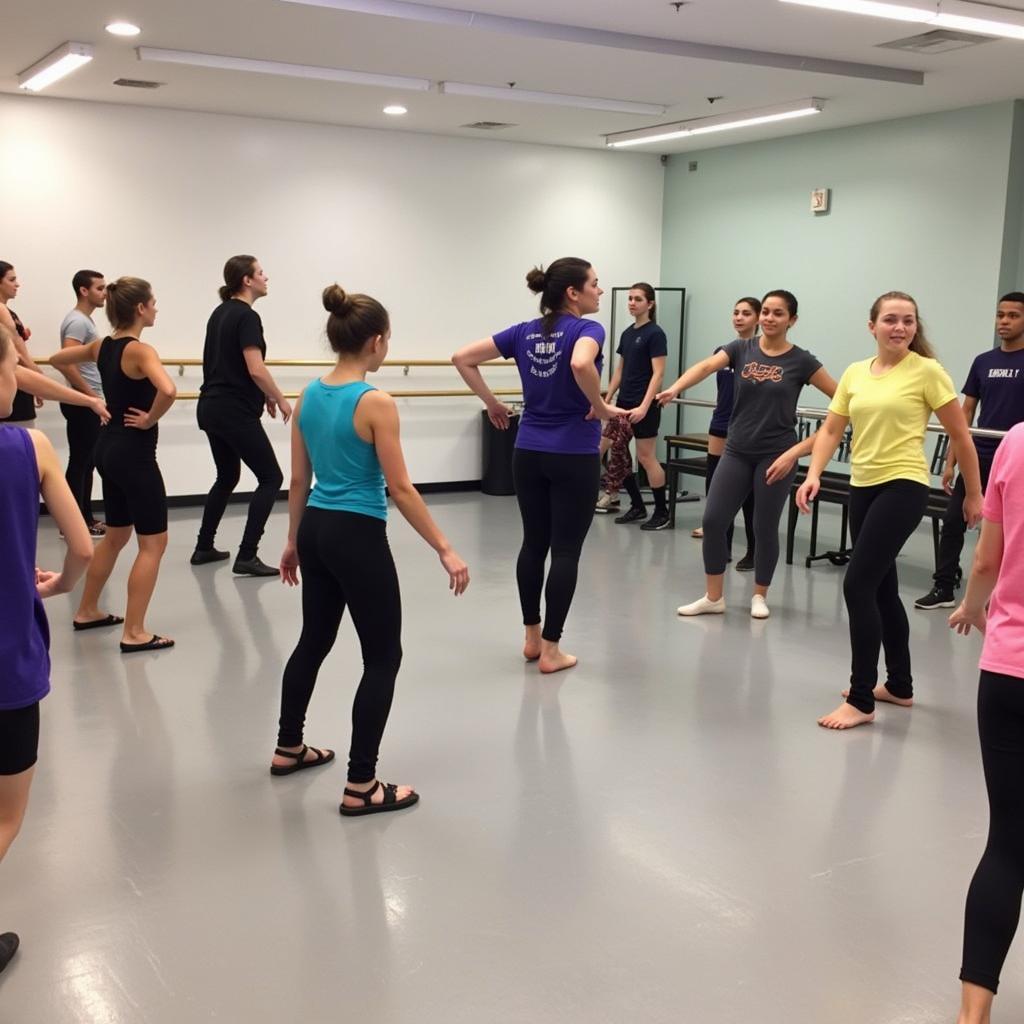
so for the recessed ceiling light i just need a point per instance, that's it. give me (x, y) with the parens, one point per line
(123, 28)
(396, 110)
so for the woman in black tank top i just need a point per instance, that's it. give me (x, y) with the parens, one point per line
(24, 408)
(138, 392)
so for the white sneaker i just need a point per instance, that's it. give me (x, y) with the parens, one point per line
(606, 503)
(759, 607)
(703, 606)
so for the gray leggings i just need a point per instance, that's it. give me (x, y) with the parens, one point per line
(733, 480)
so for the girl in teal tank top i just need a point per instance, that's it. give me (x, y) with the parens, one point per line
(345, 437)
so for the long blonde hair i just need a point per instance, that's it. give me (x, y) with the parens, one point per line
(921, 345)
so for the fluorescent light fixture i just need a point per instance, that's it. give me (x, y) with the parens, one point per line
(719, 123)
(273, 67)
(395, 110)
(123, 28)
(958, 15)
(54, 66)
(491, 92)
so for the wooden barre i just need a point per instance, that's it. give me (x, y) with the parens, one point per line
(292, 395)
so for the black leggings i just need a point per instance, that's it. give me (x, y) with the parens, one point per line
(235, 439)
(947, 563)
(19, 739)
(556, 495)
(882, 518)
(344, 559)
(993, 900)
(748, 507)
(83, 430)
(736, 478)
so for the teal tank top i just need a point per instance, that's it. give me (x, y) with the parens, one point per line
(346, 470)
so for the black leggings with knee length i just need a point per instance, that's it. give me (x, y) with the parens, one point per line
(993, 900)
(345, 561)
(556, 495)
(882, 518)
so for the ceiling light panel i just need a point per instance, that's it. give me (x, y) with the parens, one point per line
(55, 66)
(516, 95)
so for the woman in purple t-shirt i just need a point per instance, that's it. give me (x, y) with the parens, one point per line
(556, 466)
(29, 468)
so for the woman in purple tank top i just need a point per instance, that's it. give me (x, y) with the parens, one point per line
(28, 468)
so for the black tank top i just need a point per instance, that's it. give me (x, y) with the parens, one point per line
(24, 407)
(122, 392)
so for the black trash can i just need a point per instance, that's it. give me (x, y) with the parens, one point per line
(496, 473)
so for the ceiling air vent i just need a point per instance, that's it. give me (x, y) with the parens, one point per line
(137, 83)
(489, 126)
(939, 41)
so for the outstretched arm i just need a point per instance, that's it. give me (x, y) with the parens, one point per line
(694, 375)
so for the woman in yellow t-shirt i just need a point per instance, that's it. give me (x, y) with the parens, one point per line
(888, 400)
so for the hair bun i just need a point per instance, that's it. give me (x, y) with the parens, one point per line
(336, 301)
(536, 280)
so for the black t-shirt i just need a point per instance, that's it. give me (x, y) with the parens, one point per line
(997, 381)
(233, 327)
(637, 347)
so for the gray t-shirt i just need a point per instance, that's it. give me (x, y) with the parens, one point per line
(766, 391)
(79, 327)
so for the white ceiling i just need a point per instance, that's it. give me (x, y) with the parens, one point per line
(274, 30)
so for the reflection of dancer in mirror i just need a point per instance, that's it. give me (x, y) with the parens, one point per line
(887, 400)
(29, 469)
(997, 584)
(345, 434)
(556, 466)
(637, 379)
(761, 450)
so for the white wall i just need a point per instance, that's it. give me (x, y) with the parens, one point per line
(441, 230)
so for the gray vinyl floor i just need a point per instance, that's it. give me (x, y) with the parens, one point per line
(661, 835)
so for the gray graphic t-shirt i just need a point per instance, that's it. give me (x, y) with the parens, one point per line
(766, 392)
(79, 327)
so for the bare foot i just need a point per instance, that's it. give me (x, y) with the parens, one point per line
(377, 798)
(312, 754)
(85, 615)
(140, 636)
(846, 716)
(697, 534)
(531, 645)
(881, 693)
(553, 659)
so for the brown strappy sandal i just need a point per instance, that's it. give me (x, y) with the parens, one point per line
(390, 803)
(298, 756)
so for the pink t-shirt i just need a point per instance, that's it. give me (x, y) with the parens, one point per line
(1004, 503)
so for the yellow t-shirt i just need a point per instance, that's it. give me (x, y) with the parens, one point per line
(889, 414)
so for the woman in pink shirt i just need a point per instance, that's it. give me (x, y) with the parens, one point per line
(997, 581)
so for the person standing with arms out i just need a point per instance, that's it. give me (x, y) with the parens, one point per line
(30, 471)
(138, 392)
(996, 583)
(638, 376)
(996, 382)
(346, 435)
(887, 400)
(761, 450)
(23, 409)
(556, 467)
(237, 386)
(83, 428)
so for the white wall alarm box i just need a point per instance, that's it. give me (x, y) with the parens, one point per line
(820, 199)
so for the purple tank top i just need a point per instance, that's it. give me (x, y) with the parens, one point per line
(24, 633)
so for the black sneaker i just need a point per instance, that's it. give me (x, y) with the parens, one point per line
(746, 563)
(634, 515)
(253, 567)
(206, 555)
(658, 521)
(9, 943)
(936, 598)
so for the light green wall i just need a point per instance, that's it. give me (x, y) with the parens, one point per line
(918, 204)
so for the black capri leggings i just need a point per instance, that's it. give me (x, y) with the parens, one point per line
(993, 900)
(556, 495)
(345, 560)
(736, 476)
(882, 518)
(19, 739)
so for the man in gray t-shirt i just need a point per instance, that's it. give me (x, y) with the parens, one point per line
(83, 425)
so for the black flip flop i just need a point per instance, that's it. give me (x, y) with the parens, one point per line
(110, 620)
(390, 802)
(158, 643)
(298, 756)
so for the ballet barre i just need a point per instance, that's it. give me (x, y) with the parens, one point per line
(191, 396)
(406, 364)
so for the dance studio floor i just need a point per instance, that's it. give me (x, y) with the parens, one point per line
(661, 835)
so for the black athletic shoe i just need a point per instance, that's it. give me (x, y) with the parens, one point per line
(936, 598)
(746, 563)
(658, 521)
(203, 556)
(9, 943)
(253, 567)
(634, 515)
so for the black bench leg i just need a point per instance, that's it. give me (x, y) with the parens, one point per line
(672, 479)
(809, 560)
(794, 514)
(844, 528)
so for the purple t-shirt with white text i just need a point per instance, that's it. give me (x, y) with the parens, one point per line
(554, 419)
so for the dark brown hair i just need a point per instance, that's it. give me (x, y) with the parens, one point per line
(84, 279)
(552, 284)
(754, 304)
(921, 345)
(236, 270)
(649, 295)
(124, 296)
(354, 319)
(787, 297)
